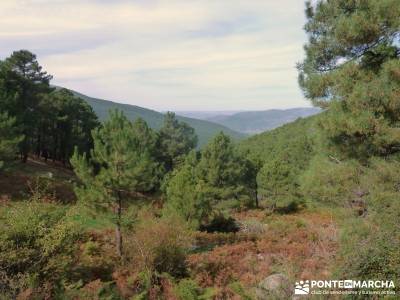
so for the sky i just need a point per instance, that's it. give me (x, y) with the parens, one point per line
(165, 54)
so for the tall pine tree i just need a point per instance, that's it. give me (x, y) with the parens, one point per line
(352, 68)
(120, 166)
(23, 83)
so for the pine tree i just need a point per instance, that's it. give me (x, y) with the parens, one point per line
(65, 122)
(23, 83)
(253, 164)
(223, 172)
(352, 68)
(278, 179)
(184, 193)
(9, 138)
(119, 167)
(176, 140)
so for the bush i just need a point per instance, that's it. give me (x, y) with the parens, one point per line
(159, 246)
(187, 289)
(369, 252)
(371, 245)
(37, 247)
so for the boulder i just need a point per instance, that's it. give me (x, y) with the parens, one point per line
(276, 286)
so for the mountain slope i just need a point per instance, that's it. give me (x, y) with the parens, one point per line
(251, 122)
(204, 129)
(265, 146)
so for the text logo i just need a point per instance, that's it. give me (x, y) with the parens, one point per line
(302, 287)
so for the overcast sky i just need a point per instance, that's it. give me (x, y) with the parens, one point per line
(165, 54)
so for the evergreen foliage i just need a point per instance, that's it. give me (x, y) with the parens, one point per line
(184, 193)
(352, 68)
(279, 157)
(66, 122)
(9, 138)
(220, 174)
(52, 122)
(120, 166)
(176, 140)
(224, 172)
(23, 82)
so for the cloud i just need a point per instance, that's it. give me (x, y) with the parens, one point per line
(166, 55)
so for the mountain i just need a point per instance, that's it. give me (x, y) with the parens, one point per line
(206, 114)
(204, 129)
(251, 122)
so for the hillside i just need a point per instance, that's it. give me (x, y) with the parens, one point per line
(251, 122)
(266, 145)
(204, 129)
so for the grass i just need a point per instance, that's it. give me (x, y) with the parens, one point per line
(87, 220)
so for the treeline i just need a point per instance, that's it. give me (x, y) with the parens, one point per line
(49, 122)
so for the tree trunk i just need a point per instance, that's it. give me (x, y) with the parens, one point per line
(118, 236)
(256, 192)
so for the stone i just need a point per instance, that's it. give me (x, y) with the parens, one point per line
(276, 286)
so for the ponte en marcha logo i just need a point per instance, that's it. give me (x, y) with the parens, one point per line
(349, 287)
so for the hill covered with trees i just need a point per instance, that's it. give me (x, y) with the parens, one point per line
(204, 129)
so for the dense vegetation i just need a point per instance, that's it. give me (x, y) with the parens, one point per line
(154, 218)
(51, 122)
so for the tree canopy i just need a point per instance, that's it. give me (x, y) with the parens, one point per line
(52, 121)
(352, 68)
(223, 171)
(176, 140)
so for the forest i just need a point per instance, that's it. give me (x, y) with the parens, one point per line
(113, 209)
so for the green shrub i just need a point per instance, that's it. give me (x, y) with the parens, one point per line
(330, 182)
(187, 289)
(37, 246)
(370, 246)
(369, 252)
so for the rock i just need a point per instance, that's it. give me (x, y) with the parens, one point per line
(276, 286)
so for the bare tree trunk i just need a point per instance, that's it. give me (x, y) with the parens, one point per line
(118, 236)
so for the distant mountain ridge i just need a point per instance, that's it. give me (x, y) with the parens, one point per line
(205, 130)
(253, 122)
